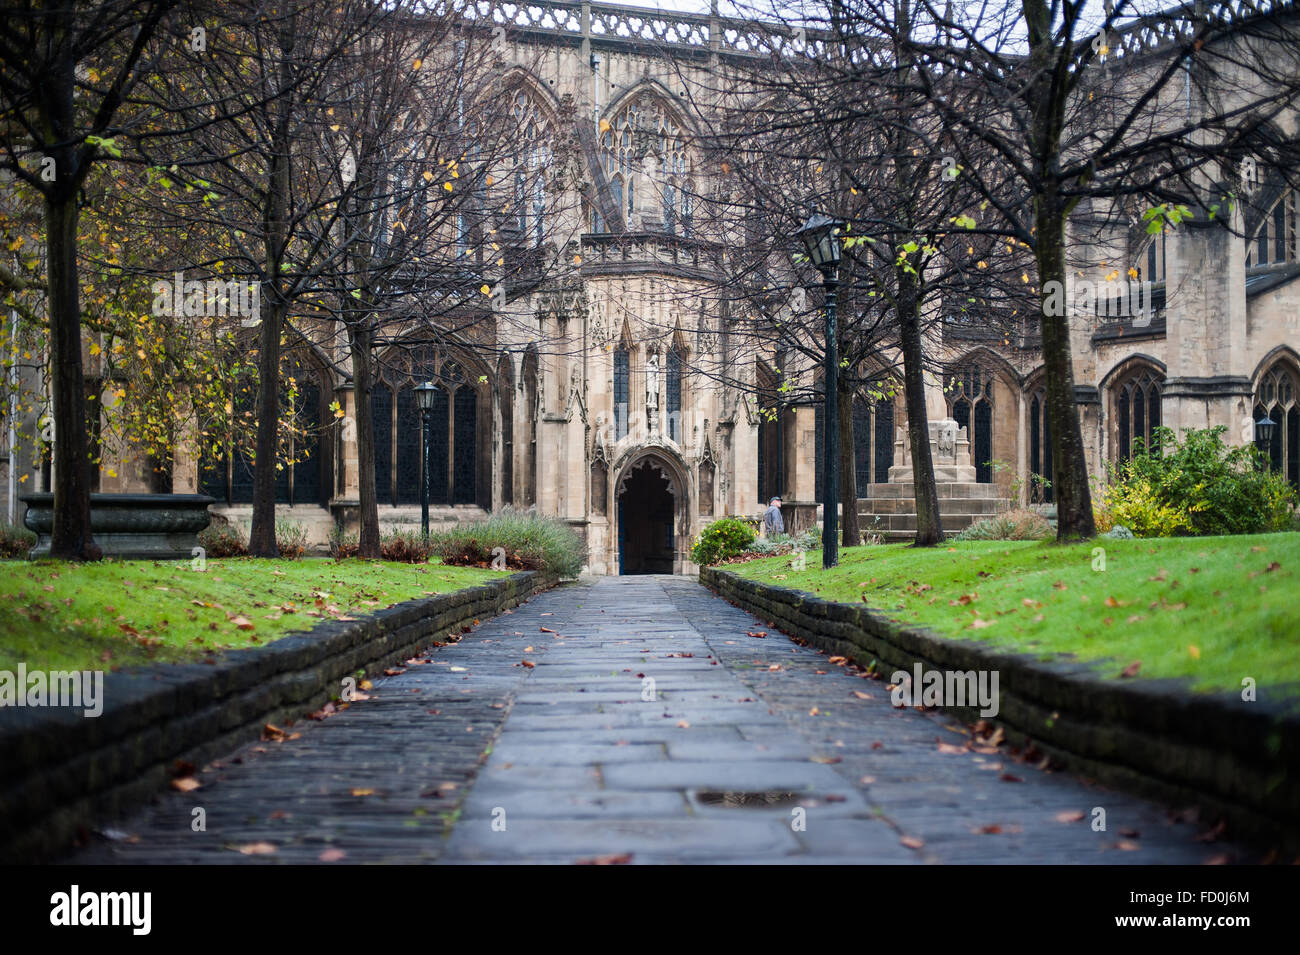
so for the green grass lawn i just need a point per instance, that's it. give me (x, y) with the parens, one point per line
(56, 615)
(1215, 609)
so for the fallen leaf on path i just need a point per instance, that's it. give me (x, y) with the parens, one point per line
(622, 859)
(862, 696)
(257, 849)
(912, 842)
(1071, 816)
(1132, 668)
(331, 855)
(362, 792)
(186, 784)
(1009, 778)
(949, 748)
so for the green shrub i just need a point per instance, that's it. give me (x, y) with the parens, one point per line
(1017, 525)
(223, 540)
(1135, 504)
(290, 539)
(15, 541)
(785, 543)
(530, 542)
(722, 539)
(1198, 486)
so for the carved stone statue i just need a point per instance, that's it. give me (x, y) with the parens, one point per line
(652, 381)
(652, 392)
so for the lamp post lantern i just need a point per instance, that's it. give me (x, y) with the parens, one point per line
(821, 239)
(1264, 433)
(424, 393)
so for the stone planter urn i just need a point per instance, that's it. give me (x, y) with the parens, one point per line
(130, 526)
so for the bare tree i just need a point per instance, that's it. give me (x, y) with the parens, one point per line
(65, 71)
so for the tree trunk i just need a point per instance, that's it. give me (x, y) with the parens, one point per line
(852, 535)
(71, 538)
(275, 228)
(929, 529)
(362, 386)
(1074, 519)
(261, 536)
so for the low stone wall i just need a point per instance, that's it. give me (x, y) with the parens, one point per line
(63, 771)
(1235, 759)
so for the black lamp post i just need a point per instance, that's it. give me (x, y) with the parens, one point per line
(424, 393)
(1264, 433)
(821, 237)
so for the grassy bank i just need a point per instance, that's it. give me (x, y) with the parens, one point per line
(56, 615)
(1213, 609)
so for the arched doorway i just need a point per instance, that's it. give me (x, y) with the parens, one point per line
(647, 518)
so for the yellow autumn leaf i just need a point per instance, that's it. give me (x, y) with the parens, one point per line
(485, 290)
(428, 176)
(447, 186)
(94, 348)
(604, 125)
(417, 64)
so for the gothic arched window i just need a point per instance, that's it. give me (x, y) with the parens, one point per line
(506, 405)
(1150, 264)
(873, 437)
(531, 163)
(622, 374)
(970, 402)
(403, 449)
(646, 142)
(1274, 243)
(1040, 450)
(302, 471)
(673, 399)
(1136, 403)
(1278, 397)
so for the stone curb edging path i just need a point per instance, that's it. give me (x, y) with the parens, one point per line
(64, 772)
(1234, 759)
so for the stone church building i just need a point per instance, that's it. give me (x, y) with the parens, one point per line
(615, 400)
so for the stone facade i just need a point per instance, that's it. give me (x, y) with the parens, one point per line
(615, 400)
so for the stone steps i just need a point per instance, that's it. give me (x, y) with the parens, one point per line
(890, 509)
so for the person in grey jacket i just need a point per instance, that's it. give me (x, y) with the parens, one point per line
(773, 522)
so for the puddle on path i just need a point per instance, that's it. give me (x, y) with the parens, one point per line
(748, 800)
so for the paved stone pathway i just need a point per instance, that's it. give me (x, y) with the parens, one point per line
(742, 749)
